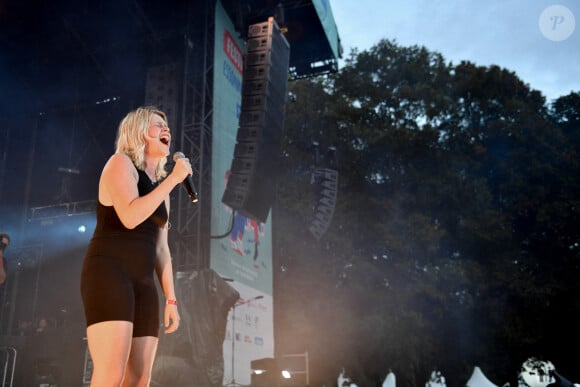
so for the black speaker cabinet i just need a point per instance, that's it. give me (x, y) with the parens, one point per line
(251, 186)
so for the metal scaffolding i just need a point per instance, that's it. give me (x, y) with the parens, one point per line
(190, 244)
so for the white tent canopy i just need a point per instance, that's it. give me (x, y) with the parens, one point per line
(478, 379)
(390, 380)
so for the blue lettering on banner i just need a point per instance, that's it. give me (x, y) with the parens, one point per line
(232, 77)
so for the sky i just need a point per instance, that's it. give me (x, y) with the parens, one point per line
(539, 40)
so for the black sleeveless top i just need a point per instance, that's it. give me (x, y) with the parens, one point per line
(109, 224)
(117, 279)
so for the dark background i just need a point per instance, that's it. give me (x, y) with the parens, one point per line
(69, 71)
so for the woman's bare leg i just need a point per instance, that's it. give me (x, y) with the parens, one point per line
(109, 345)
(140, 364)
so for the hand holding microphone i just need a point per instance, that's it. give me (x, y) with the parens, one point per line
(188, 181)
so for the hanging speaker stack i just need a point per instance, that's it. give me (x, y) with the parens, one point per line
(251, 187)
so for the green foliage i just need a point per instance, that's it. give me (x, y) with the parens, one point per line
(455, 227)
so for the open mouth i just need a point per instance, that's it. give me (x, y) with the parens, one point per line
(164, 140)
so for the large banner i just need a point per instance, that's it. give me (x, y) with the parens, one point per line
(327, 19)
(244, 255)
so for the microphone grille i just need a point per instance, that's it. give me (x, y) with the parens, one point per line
(178, 155)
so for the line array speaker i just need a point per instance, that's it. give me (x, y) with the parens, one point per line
(251, 187)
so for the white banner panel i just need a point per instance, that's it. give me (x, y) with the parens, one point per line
(244, 255)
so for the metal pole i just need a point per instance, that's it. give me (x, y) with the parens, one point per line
(233, 380)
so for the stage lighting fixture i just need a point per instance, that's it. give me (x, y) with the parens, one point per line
(266, 372)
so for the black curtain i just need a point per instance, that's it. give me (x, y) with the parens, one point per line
(193, 356)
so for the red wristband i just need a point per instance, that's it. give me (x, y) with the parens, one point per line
(171, 302)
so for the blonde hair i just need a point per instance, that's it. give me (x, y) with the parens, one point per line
(131, 137)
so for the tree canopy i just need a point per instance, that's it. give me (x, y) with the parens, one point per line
(454, 239)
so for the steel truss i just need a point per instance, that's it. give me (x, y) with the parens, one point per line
(190, 230)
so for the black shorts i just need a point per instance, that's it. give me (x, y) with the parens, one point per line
(118, 283)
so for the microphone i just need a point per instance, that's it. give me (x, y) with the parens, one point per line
(188, 181)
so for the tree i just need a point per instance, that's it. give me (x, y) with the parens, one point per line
(452, 223)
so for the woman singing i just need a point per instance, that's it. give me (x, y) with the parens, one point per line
(128, 246)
